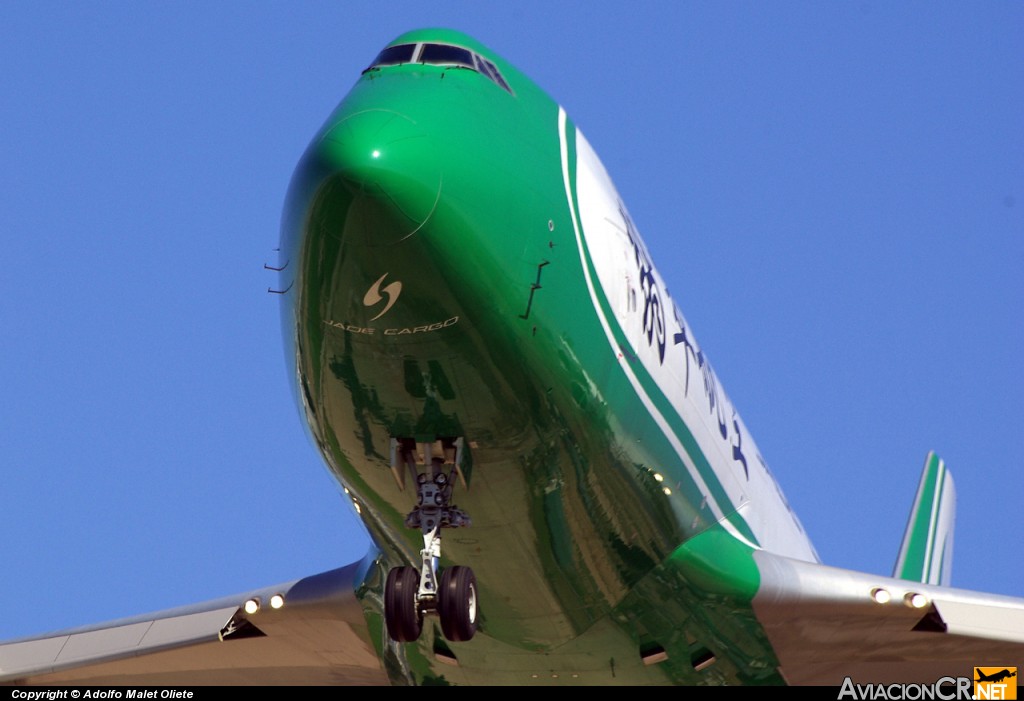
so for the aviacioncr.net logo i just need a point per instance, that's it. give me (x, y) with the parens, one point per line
(373, 295)
(995, 683)
(944, 689)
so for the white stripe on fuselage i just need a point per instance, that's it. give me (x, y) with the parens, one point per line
(716, 509)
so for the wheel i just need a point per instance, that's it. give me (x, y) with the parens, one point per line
(457, 603)
(402, 616)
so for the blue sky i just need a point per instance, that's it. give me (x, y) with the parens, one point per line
(834, 193)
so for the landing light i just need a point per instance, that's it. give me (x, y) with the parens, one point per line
(658, 477)
(356, 504)
(277, 601)
(667, 491)
(252, 606)
(376, 153)
(915, 600)
(881, 596)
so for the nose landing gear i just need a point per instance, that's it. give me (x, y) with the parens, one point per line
(409, 594)
(401, 613)
(456, 603)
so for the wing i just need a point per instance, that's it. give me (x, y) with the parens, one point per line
(318, 636)
(826, 624)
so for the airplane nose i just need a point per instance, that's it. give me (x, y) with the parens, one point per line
(389, 165)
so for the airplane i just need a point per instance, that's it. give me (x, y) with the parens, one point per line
(996, 677)
(557, 487)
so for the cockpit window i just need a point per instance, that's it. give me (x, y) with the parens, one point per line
(445, 55)
(439, 55)
(394, 55)
(492, 72)
(483, 67)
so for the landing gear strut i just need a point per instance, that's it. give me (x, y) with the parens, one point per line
(410, 594)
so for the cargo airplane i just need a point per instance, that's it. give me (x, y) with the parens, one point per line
(556, 485)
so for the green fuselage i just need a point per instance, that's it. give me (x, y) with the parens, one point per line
(439, 179)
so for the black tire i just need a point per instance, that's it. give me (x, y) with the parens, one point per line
(457, 603)
(401, 615)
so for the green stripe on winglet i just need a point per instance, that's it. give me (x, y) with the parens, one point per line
(922, 536)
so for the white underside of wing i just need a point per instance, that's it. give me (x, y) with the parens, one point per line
(825, 624)
(319, 636)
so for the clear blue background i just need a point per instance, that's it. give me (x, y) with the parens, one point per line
(834, 193)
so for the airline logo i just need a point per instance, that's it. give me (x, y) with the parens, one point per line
(373, 295)
(995, 683)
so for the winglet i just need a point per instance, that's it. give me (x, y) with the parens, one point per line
(926, 555)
